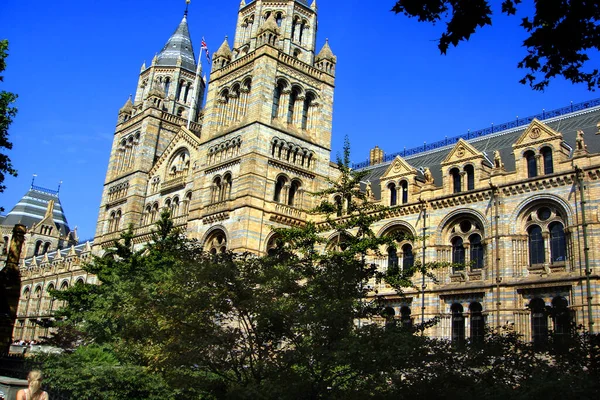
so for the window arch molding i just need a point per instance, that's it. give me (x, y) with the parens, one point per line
(401, 254)
(216, 240)
(179, 163)
(441, 235)
(465, 233)
(521, 212)
(335, 241)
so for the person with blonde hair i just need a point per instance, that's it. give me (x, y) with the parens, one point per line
(34, 391)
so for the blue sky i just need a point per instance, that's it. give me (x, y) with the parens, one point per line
(74, 63)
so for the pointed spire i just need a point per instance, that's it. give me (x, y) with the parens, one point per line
(155, 59)
(58, 255)
(242, 4)
(88, 247)
(143, 66)
(314, 5)
(49, 209)
(178, 46)
(224, 50)
(45, 259)
(33, 262)
(72, 251)
(23, 265)
(127, 107)
(326, 53)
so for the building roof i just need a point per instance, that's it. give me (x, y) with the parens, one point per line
(32, 207)
(567, 124)
(179, 46)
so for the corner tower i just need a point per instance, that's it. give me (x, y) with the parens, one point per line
(266, 127)
(167, 99)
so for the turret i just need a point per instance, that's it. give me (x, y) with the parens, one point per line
(223, 56)
(325, 60)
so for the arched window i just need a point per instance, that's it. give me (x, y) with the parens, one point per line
(279, 185)
(5, 248)
(561, 316)
(458, 254)
(293, 98)
(470, 177)
(404, 190)
(175, 207)
(531, 164)
(146, 216)
(305, 108)
(477, 322)
(46, 247)
(558, 243)
(536, 245)
(117, 220)
(279, 18)
(186, 203)
(154, 213)
(408, 258)
(339, 208)
(392, 260)
(276, 99)
(476, 249)
(547, 157)
(393, 194)
(38, 245)
(167, 86)
(456, 180)
(458, 324)
(539, 321)
(405, 318)
(226, 187)
(216, 242)
(292, 195)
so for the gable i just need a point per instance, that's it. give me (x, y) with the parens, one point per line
(183, 138)
(537, 132)
(461, 152)
(398, 167)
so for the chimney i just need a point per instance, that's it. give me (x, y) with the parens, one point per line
(376, 156)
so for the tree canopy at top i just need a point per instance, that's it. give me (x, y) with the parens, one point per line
(562, 33)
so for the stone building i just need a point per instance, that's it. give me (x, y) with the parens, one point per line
(503, 205)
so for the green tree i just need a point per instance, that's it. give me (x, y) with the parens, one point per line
(171, 321)
(7, 114)
(561, 34)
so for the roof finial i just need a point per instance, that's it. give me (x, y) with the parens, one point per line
(60, 182)
(187, 4)
(33, 180)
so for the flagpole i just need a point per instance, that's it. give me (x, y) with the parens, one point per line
(194, 93)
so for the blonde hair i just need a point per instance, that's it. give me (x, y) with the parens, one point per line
(35, 381)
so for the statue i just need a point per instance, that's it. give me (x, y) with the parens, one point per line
(580, 143)
(369, 190)
(498, 160)
(428, 176)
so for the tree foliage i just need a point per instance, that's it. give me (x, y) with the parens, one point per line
(7, 114)
(171, 321)
(562, 33)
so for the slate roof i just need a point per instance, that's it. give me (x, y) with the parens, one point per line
(178, 45)
(80, 248)
(31, 209)
(567, 124)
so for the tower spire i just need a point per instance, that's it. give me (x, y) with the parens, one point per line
(187, 5)
(178, 45)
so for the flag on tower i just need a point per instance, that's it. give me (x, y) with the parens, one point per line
(205, 48)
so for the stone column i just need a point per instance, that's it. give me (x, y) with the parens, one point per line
(245, 94)
(539, 161)
(463, 181)
(298, 110)
(284, 102)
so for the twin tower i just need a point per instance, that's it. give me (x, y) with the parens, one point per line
(240, 165)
